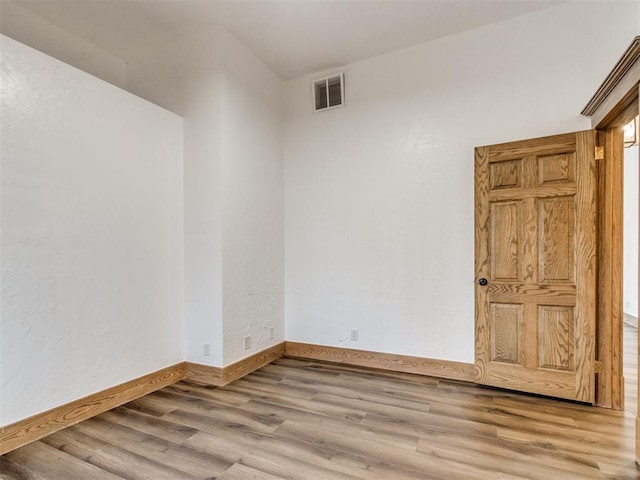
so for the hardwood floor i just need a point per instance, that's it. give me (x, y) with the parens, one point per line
(631, 320)
(630, 359)
(309, 420)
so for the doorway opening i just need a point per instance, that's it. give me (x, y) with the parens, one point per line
(631, 188)
(613, 380)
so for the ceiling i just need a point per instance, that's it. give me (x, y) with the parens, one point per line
(294, 37)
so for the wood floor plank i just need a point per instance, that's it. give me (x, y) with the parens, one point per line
(281, 392)
(529, 462)
(183, 463)
(54, 464)
(151, 405)
(307, 410)
(418, 419)
(367, 467)
(370, 447)
(287, 449)
(152, 447)
(390, 398)
(220, 395)
(626, 471)
(242, 472)
(9, 470)
(114, 459)
(158, 427)
(243, 449)
(501, 418)
(433, 430)
(576, 446)
(312, 406)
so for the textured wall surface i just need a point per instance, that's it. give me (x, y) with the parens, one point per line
(186, 79)
(233, 178)
(253, 192)
(379, 194)
(630, 240)
(91, 237)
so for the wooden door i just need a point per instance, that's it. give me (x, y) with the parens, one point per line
(535, 235)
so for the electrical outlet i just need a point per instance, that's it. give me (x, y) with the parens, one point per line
(272, 333)
(247, 342)
(354, 335)
(206, 349)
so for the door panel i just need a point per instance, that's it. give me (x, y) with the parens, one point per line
(555, 337)
(504, 237)
(556, 243)
(535, 245)
(506, 331)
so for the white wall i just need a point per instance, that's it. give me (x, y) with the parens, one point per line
(253, 192)
(234, 234)
(30, 29)
(91, 209)
(630, 239)
(186, 78)
(379, 194)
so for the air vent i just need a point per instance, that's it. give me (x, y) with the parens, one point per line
(328, 92)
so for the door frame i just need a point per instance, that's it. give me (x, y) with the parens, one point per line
(609, 375)
(615, 102)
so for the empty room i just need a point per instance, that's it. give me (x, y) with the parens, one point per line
(319, 239)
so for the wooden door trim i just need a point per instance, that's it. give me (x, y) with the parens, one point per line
(586, 269)
(614, 104)
(617, 90)
(610, 380)
(481, 267)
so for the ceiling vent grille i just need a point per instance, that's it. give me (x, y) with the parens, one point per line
(328, 92)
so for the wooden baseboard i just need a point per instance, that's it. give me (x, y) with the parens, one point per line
(204, 374)
(42, 424)
(383, 361)
(217, 376)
